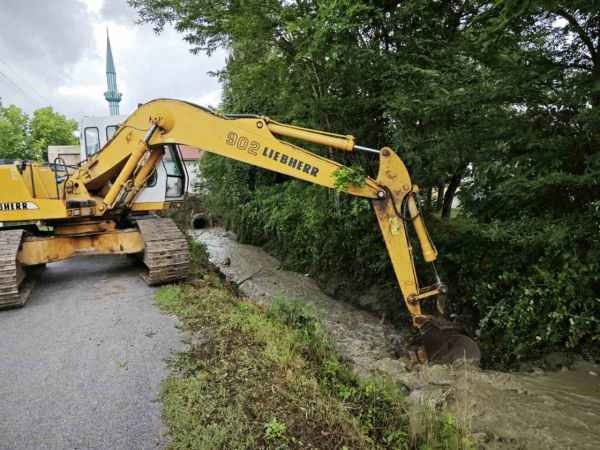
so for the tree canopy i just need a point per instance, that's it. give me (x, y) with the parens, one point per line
(494, 102)
(24, 137)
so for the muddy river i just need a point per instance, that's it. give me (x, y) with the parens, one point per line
(542, 410)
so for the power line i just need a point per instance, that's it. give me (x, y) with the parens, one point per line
(31, 88)
(17, 87)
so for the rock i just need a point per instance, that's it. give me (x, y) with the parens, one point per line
(438, 375)
(550, 362)
(230, 235)
(430, 396)
(592, 373)
(584, 365)
(330, 285)
(390, 366)
(150, 333)
(416, 396)
(369, 299)
(481, 437)
(198, 282)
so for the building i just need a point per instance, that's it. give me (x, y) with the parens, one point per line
(69, 154)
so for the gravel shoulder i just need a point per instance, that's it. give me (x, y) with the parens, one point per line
(81, 363)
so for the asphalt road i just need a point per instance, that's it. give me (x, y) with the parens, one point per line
(81, 363)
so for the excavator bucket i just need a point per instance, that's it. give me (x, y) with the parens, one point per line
(443, 343)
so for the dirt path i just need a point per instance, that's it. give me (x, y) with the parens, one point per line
(558, 410)
(81, 364)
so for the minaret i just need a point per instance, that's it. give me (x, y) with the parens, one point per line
(112, 95)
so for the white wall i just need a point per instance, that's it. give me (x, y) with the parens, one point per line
(69, 153)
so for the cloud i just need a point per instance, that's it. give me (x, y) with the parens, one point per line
(117, 10)
(54, 53)
(211, 99)
(40, 41)
(41, 34)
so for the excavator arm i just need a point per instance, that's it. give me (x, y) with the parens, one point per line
(137, 148)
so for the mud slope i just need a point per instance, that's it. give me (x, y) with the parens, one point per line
(531, 411)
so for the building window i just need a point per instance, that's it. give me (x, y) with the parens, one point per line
(110, 132)
(92, 140)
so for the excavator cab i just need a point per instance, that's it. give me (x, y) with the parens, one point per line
(168, 182)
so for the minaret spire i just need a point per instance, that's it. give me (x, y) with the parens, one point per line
(112, 95)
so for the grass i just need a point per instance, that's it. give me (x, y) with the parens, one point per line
(270, 378)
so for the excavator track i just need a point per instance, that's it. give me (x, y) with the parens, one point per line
(13, 292)
(166, 252)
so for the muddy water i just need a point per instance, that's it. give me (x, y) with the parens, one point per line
(554, 410)
(557, 410)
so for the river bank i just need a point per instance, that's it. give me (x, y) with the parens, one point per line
(505, 410)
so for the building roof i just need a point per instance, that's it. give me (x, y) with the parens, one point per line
(190, 153)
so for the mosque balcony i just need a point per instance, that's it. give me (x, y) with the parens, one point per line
(113, 96)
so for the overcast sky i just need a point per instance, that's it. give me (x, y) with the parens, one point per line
(53, 52)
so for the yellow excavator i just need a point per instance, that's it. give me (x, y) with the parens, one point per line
(51, 212)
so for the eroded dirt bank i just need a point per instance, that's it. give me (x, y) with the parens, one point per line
(531, 411)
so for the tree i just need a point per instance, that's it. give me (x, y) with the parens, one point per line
(25, 138)
(13, 133)
(549, 160)
(48, 127)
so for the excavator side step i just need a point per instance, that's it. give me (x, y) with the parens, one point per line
(166, 252)
(13, 292)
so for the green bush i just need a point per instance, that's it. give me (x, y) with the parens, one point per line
(527, 285)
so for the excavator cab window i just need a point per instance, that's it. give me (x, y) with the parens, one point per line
(110, 132)
(175, 172)
(92, 140)
(152, 180)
